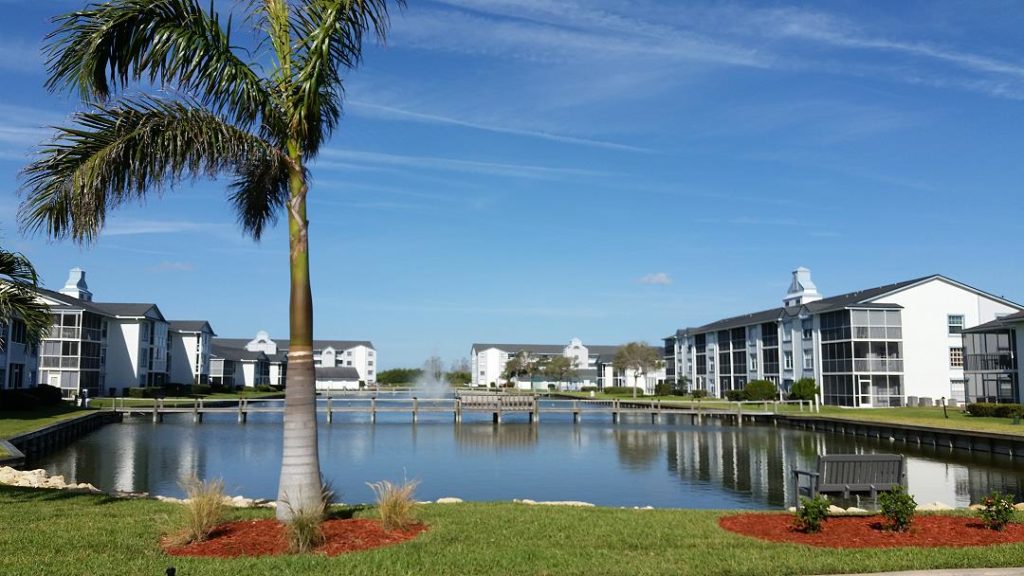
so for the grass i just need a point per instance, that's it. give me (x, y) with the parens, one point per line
(119, 537)
(396, 504)
(915, 416)
(4, 453)
(14, 423)
(171, 402)
(204, 510)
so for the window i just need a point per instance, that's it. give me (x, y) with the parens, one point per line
(18, 332)
(787, 360)
(956, 357)
(956, 323)
(787, 332)
(808, 360)
(808, 328)
(753, 362)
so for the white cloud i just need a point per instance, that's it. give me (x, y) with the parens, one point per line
(130, 227)
(390, 112)
(657, 279)
(348, 159)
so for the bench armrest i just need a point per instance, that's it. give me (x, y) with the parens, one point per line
(806, 473)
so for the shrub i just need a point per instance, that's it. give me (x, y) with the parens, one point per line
(17, 400)
(46, 395)
(664, 389)
(811, 513)
(622, 390)
(305, 528)
(735, 395)
(992, 410)
(588, 389)
(201, 389)
(803, 389)
(760, 390)
(552, 387)
(265, 388)
(395, 503)
(204, 509)
(996, 511)
(898, 508)
(698, 394)
(146, 392)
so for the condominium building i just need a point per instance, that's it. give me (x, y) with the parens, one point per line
(18, 358)
(592, 366)
(872, 347)
(991, 358)
(239, 354)
(101, 347)
(189, 358)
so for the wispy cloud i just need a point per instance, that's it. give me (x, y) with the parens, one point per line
(390, 112)
(172, 266)
(345, 159)
(20, 55)
(130, 227)
(656, 278)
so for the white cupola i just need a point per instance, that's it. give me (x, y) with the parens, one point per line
(802, 289)
(76, 286)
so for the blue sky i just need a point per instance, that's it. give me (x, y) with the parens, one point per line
(533, 170)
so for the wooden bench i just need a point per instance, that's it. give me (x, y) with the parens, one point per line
(848, 474)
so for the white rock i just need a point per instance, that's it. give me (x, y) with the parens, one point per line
(1019, 506)
(791, 509)
(934, 507)
(976, 507)
(833, 509)
(564, 503)
(449, 500)
(525, 501)
(855, 510)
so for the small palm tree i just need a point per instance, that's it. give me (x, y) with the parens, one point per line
(18, 300)
(258, 121)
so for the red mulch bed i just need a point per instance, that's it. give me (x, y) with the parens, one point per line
(267, 538)
(867, 531)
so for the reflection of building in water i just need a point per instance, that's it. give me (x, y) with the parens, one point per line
(638, 449)
(505, 436)
(758, 461)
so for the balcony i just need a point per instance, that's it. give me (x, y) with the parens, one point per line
(989, 362)
(877, 365)
(65, 332)
(58, 362)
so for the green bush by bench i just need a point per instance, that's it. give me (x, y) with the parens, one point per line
(993, 410)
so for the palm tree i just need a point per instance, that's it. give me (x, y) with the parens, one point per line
(18, 300)
(260, 122)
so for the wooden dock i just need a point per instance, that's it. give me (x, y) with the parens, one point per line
(497, 406)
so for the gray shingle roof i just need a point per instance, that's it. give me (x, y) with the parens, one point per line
(592, 349)
(235, 354)
(128, 309)
(1001, 323)
(336, 373)
(191, 326)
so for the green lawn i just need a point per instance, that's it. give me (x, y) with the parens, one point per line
(932, 417)
(182, 401)
(14, 423)
(63, 534)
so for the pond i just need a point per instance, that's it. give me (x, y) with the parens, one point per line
(675, 463)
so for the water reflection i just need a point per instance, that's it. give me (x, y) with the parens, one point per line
(678, 463)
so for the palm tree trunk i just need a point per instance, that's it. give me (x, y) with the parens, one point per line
(300, 488)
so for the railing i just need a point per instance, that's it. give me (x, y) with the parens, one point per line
(58, 362)
(69, 332)
(877, 365)
(989, 362)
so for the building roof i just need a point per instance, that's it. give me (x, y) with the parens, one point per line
(235, 354)
(559, 349)
(336, 373)
(337, 344)
(191, 326)
(849, 300)
(128, 309)
(1001, 323)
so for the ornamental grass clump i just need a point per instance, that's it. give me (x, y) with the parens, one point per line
(898, 508)
(204, 509)
(395, 503)
(304, 529)
(996, 511)
(812, 513)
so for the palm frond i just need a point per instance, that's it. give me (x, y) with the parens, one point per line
(258, 192)
(126, 151)
(331, 34)
(102, 48)
(18, 300)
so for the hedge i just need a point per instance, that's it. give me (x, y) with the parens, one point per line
(622, 390)
(995, 410)
(147, 392)
(23, 399)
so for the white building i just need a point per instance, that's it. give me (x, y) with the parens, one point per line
(992, 353)
(101, 347)
(873, 347)
(18, 359)
(189, 358)
(592, 366)
(240, 353)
